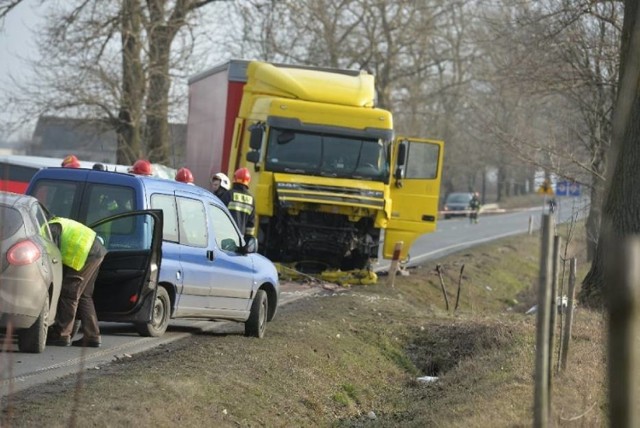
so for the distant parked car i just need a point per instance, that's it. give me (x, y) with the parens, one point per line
(457, 204)
(31, 272)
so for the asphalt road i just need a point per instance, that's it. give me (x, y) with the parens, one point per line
(19, 370)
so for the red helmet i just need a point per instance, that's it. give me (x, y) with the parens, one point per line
(141, 167)
(184, 175)
(70, 162)
(242, 176)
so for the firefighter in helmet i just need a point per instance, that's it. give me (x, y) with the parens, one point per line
(240, 202)
(184, 175)
(220, 184)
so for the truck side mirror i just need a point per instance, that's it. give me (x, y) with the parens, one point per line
(253, 156)
(402, 154)
(255, 141)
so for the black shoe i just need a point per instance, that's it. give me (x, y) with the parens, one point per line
(87, 343)
(59, 341)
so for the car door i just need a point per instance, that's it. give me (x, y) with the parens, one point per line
(234, 281)
(127, 281)
(196, 256)
(414, 191)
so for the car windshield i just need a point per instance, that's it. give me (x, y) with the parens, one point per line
(459, 198)
(10, 221)
(326, 155)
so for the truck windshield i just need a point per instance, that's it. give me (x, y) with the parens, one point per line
(326, 155)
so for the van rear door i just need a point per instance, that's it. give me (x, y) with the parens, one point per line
(127, 281)
(415, 190)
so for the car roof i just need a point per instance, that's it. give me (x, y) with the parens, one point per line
(17, 200)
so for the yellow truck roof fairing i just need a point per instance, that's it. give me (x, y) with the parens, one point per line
(311, 85)
(345, 120)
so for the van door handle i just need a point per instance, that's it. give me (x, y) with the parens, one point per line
(210, 255)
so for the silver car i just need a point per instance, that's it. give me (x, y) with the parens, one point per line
(31, 271)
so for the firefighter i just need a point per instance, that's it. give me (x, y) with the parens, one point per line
(184, 175)
(220, 184)
(474, 207)
(141, 167)
(70, 161)
(240, 202)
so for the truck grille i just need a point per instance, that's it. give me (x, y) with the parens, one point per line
(298, 192)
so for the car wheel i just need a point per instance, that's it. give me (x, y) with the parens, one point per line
(34, 338)
(257, 322)
(447, 217)
(160, 317)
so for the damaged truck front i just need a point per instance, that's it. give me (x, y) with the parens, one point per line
(328, 174)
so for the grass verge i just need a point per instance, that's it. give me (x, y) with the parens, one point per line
(352, 358)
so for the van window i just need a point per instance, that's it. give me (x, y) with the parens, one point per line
(227, 236)
(167, 203)
(106, 200)
(193, 222)
(57, 196)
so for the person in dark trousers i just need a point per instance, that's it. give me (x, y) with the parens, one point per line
(82, 255)
(240, 202)
(474, 206)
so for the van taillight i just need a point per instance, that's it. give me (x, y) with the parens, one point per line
(23, 253)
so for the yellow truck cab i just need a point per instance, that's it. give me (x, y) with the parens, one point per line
(329, 173)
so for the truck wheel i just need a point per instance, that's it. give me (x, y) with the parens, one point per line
(34, 338)
(257, 322)
(160, 317)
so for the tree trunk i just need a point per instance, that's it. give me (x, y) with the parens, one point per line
(621, 209)
(157, 126)
(128, 126)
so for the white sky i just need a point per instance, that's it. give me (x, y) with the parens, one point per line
(16, 39)
(17, 45)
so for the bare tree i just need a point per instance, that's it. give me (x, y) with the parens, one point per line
(85, 72)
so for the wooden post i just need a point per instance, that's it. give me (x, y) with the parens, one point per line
(553, 310)
(571, 295)
(459, 287)
(622, 284)
(530, 224)
(395, 260)
(541, 399)
(444, 290)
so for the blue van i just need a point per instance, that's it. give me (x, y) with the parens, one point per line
(203, 269)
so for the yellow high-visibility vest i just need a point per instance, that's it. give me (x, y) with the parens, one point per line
(75, 242)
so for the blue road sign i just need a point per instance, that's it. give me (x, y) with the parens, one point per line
(574, 189)
(562, 188)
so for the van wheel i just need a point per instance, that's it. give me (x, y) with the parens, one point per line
(257, 322)
(160, 317)
(34, 338)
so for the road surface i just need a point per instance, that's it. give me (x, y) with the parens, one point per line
(20, 370)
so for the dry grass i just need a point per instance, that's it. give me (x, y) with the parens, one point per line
(331, 359)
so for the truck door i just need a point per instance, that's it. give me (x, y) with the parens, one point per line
(414, 190)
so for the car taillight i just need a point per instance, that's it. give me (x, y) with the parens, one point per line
(23, 253)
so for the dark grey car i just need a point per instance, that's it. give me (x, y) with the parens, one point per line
(457, 204)
(31, 271)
